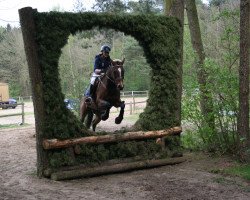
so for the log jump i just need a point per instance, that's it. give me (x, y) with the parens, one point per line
(56, 144)
(116, 168)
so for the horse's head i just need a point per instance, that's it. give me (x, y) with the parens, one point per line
(117, 73)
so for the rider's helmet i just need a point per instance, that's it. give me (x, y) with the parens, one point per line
(105, 48)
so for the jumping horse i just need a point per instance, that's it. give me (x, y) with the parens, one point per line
(106, 95)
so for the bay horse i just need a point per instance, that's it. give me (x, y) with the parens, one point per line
(106, 95)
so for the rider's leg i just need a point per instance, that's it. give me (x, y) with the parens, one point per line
(89, 93)
(91, 90)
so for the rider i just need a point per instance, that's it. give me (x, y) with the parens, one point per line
(101, 64)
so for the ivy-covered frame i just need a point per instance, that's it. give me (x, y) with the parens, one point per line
(45, 34)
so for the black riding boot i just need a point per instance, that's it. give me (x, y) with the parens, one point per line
(90, 94)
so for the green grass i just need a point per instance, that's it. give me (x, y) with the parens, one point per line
(5, 126)
(241, 171)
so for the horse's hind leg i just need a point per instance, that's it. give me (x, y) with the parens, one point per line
(96, 121)
(89, 119)
(83, 110)
(119, 119)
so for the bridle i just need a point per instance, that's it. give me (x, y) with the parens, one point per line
(112, 79)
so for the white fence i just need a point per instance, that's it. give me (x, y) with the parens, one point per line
(132, 93)
(13, 114)
(134, 100)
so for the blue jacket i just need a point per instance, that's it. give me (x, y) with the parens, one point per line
(101, 63)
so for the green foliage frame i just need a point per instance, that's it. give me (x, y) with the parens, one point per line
(159, 37)
(45, 34)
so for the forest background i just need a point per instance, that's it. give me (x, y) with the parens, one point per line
(220, 31)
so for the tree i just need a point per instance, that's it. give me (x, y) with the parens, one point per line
(206, 103)
(243, 115)
(13, 66)
(116, 6)
(78, 6)
(176, 8)
(144, 6)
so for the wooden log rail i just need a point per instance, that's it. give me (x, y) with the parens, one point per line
(56, 144)
(116, 168)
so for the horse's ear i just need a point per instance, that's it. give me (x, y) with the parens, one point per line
(123, 60)
(112, 62)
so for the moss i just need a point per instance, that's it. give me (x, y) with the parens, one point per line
(59, 158)
(96, 154)
(159, 37)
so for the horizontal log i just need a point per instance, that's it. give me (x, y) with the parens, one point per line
(122, 167)
(56, 144)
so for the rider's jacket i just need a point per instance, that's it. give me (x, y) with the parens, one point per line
(101, 63)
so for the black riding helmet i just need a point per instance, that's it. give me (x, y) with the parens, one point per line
(105, 48)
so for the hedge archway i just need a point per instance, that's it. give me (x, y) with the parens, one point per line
(159, 37)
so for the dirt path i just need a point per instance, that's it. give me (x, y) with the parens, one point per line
(189, 180)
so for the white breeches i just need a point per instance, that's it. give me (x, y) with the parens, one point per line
(93, 77)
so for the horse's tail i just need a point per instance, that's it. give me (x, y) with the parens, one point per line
(89, 118)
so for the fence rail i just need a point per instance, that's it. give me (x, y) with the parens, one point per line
(14, 114)
(123, 94)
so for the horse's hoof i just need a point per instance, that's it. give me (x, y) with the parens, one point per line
(118, 120)
(104, 118)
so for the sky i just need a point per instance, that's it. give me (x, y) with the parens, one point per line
(9, 8)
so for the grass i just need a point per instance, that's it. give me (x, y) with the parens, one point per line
(5, 126)
(242, 171)
(238, 169)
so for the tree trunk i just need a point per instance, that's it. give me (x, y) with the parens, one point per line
(175, 8)
(28, 31)
(243, 115)
(206, 101)
(168, 6)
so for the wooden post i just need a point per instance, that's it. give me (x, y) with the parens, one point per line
(133, 104)
(130, 108)
(22, 113)
(29, 31)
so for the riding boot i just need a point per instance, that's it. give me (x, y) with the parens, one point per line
(89, 98)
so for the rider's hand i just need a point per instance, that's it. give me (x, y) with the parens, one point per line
(98, 71)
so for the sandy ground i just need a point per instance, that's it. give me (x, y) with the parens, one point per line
(189, 180)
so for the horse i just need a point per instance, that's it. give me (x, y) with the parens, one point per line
(106, 95)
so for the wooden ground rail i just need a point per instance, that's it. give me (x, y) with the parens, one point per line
(82, 172)
(56, 144)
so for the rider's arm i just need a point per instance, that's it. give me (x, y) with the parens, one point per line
(97, 65)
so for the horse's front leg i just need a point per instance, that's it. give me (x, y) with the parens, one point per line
(104, 107)
(105, 115)
(119, 119)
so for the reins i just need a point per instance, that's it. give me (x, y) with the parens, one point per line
(100, 78)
